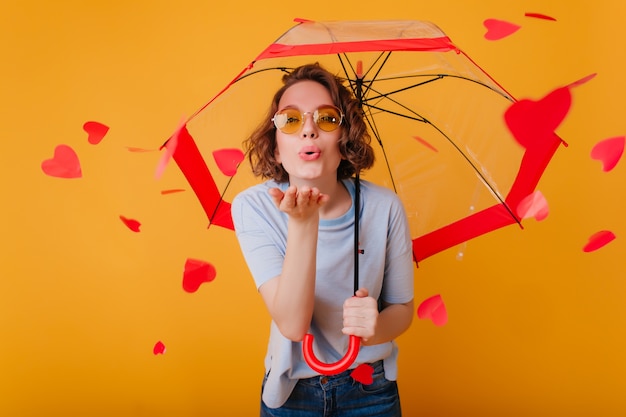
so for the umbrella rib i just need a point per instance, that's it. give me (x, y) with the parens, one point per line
(469, 161)
(436, 77)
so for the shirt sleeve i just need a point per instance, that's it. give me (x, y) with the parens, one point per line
(260, 243)
(398, 284)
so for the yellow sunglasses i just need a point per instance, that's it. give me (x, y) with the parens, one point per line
(290, 120)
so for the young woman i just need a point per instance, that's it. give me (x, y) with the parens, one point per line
(296, 231)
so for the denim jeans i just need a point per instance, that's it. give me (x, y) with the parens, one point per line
(340, 396)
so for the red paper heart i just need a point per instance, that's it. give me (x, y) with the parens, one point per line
(196, 273)
(64, 163)
(95, 131)
(172, 191)
(498, 29)
(170, 149)
(539, 16)
(534, 122)
(533, 205)
(132, 224)
(598, 240)
(363, 374)
(608, 151)
(434, 309)
(159, 348)
(228, 160)
(582, 81)
(425, 143)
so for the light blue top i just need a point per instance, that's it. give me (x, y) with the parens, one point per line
(386, 259)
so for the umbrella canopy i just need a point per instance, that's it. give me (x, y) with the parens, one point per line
(436, 118)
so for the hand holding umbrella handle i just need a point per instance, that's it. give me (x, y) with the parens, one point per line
(330, 368)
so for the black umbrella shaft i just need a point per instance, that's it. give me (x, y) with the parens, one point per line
(357, 197)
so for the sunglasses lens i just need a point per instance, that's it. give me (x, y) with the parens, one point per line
(288, 120)
(327, 118)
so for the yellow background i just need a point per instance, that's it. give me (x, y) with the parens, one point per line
(537, 327)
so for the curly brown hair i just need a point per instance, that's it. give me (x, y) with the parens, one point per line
(354, 143)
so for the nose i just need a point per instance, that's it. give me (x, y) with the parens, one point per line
(309, 127)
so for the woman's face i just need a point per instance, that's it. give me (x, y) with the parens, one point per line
(310, 154)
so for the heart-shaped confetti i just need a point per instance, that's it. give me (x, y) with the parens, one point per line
(159, 348)
(95, 131)
(498, 29)
(425, 143)
(170, 148)
(64, 163)
(534, 205)
(196, 273)
(599, 240)
(228, 160)
(539, 16)
(433, 309)
(363, 374)
(132, 224)
(582, 81)
(139, 150)
(172, 191)
(609, 152)
(532, 123)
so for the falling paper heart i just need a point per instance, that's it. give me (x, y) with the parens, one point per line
(228, 160)
(498, 29)
(363, 374)
(134, 149)
(540, 16)
(609, 152)
(598, 240)
(425, 143)
(172, 191)
(532, 122)
(533, 205)
(132, 224)
(196, 273)
(64, 163)
(582, 81)
(170, 148)
(434, 309)
(95, 131)
(159, 348)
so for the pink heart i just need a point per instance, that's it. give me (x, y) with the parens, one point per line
(132, 224)
(531, 122)
(64, 163)
(228, 160)
(363, 374)
(95, 131)
(159, 348)
(598, 240)
(434, 309)
(608, 151)
(196, 273)
(498, 29)
(533, 205)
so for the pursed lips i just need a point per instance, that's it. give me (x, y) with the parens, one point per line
(309, 153)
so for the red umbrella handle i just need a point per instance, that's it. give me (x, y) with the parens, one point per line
(330, 368)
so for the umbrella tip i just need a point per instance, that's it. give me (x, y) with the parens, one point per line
(359, 69)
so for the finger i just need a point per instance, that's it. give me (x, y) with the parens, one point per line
(361, 292)
(304, 195)
(277, 195)
(289, 199)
